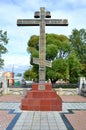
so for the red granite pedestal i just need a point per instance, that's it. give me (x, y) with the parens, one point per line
(42, 98)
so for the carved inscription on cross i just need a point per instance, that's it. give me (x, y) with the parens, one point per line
(42, 19)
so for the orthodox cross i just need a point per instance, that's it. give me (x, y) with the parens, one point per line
(41, 19)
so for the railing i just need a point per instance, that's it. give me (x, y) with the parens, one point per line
(56, 85)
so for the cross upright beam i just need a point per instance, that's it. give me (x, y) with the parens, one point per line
(41, 19)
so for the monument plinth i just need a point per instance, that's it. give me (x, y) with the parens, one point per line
(42, 96)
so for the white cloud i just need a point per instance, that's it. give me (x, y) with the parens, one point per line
(17, 59)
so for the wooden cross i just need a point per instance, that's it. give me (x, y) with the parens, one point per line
(41, 19)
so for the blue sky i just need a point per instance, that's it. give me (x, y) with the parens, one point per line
(11, 10)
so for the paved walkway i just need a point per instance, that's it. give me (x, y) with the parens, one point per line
(72, 116)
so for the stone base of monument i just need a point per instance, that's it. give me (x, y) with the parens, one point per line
(42, 98)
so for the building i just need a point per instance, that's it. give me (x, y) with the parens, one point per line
(10, 77)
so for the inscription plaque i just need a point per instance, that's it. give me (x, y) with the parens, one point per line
(41, 87)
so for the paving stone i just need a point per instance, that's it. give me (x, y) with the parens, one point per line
(39, 120)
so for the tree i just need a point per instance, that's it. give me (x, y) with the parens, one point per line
(59, 70)
(57, 46)
(51, 51)
(75, 67)
(78, 44)
(57, 49)
(3, 42)
(63, 46)
(19, 74)
(60, 42)
(29, 75)
(68, 55)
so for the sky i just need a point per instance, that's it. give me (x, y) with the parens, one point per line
(11, 10)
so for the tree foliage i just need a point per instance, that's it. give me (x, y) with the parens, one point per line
(19, 74)
(75, 67)
(3, 42)
(68, 55)
(51, 51)
(29, 75)
(59, 70)
(57, 49)
(78, 45)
